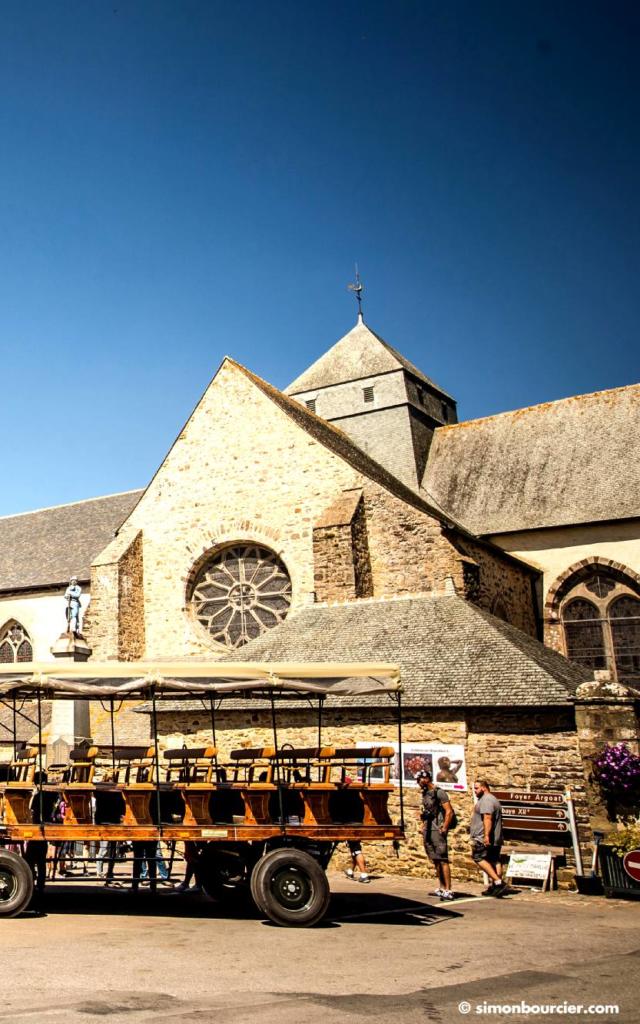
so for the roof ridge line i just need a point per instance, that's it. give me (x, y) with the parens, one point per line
(536, 405)
(69, 504)
(392, 598)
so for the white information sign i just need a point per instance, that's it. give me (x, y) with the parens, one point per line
(445, 761)
(529, 865)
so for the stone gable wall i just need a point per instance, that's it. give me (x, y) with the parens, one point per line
(242, 470)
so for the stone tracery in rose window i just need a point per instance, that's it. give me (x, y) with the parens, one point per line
(241, 592)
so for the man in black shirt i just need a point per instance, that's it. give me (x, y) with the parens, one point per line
(437, 815)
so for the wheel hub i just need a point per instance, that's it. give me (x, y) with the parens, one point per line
(292, 888)
(7, 885)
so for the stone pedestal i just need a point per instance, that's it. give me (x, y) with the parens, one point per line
(70, 719)
(71, 647)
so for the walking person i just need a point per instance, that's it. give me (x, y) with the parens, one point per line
(485, 832)
(438, 818)
(144, 852)
(358, 870)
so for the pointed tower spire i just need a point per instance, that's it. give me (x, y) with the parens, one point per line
(357, 290)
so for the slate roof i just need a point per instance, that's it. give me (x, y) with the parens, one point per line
(576, 460)
(47, 547)
(360, 353)
(451, 653)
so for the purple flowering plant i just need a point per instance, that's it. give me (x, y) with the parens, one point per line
(616, 769)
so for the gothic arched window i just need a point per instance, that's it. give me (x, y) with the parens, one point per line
(15, 644)
(240, 592)
(601, 619)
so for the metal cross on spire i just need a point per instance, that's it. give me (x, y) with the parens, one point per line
(357, 290)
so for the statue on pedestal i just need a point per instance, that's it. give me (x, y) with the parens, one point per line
(71, 645)
(72, 595)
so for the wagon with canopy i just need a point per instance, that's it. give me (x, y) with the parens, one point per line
(265, 819)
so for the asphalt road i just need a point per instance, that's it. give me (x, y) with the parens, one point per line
(389, 952)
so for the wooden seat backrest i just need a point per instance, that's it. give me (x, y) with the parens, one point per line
(82, 766)
(190, 764)
(306, 764)
(363, 760)
(23, 768)
(254, 764)
(127, 765)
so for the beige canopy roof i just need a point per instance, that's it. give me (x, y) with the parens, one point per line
(138, 679)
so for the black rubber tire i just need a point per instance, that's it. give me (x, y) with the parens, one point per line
(224, 877)
(290, 888)
(16, 884)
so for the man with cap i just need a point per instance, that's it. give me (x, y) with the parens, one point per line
(437, 815)
(72, 594)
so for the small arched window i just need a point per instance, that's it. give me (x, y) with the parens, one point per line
(15, 644)
(601, 619)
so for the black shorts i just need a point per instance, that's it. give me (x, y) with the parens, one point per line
(435, 845)
(480, 851)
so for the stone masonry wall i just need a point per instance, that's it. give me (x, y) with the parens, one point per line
(131, 603)
(500, 582)
(333, 550)
(361, 558)
(408, 549)
(521, 749)
(115, 590)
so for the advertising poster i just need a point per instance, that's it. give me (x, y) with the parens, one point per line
(445, 761)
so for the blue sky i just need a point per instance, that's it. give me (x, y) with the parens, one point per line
(183, 180)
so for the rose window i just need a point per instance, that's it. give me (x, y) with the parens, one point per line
(240, 593)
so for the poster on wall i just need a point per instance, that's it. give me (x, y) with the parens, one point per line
(445, 761)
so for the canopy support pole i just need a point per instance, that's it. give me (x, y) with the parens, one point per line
(400, 773)
(113, 738)
(283, 827)
(156, 759)
(212, 709)
(15, 729)
(40, 771)
(320, 707)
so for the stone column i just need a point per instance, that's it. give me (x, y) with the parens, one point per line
(69, 723)
(606, 712)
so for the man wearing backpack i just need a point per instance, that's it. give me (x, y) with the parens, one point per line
(439, 818)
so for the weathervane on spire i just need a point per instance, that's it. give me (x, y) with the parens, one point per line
(357, 290)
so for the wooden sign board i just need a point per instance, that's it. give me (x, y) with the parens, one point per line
(519, 796)
(536, 825)
(541, 813)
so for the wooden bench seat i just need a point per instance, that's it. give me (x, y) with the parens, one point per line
(374, 793)
(17, 791)
(77, 785)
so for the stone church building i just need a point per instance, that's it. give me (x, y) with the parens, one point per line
(351, 517)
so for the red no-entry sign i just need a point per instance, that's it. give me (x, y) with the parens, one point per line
(631, 864)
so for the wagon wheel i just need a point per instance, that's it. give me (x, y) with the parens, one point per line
(224, 876)
(290, 888)
(16, 884)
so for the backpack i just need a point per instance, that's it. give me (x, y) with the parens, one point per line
(432, 807)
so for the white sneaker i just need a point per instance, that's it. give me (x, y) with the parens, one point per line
(446, 894)
(364, 878)
(349, 872)
(437, 892)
